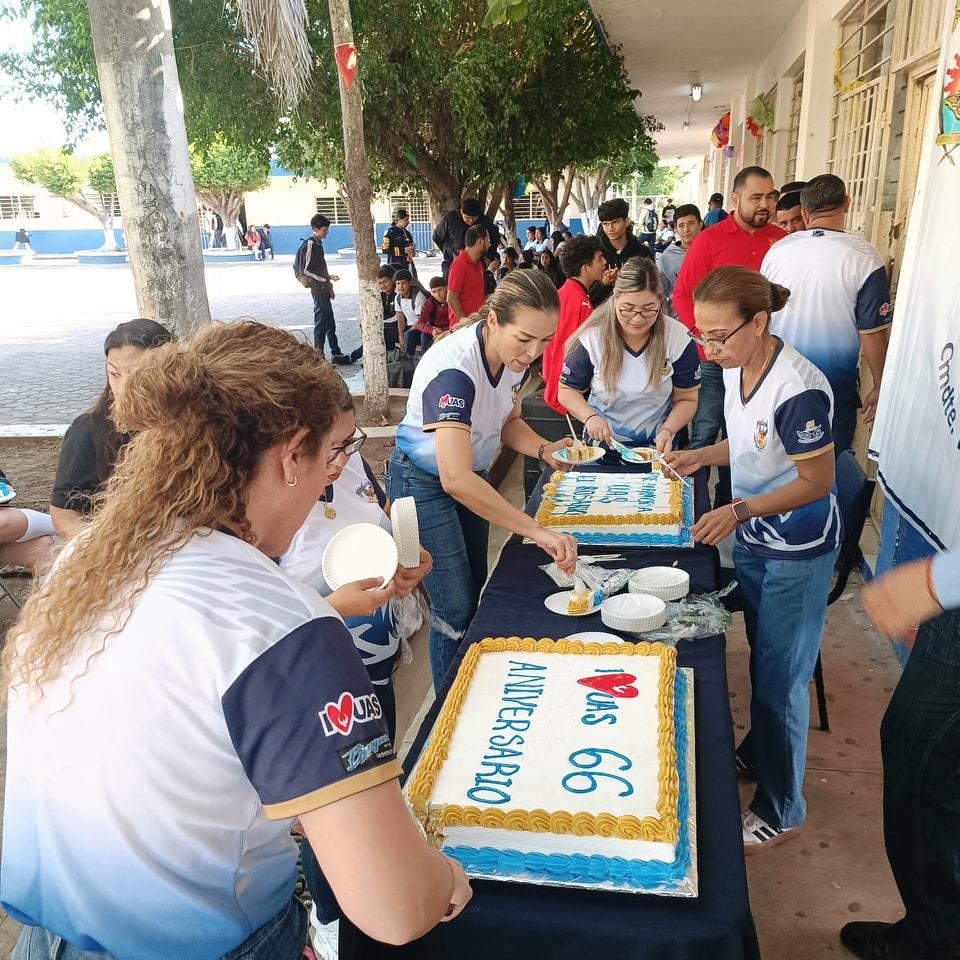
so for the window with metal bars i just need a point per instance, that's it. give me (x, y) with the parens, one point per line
(530, 207)
(103, 201)
(334, 209)
(417, 205)
(918, 30)
(862, 74)
(793, 131)
(17, 208)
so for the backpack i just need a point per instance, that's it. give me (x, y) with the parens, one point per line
(650, 221)
(299, 264)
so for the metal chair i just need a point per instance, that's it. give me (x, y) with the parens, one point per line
(5, 591)
(854, 495)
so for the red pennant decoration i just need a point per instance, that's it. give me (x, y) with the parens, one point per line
(346, 54)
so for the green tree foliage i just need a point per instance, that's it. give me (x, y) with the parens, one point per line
(223, 92)
(65, 175)
(223, 172)
(660, 182)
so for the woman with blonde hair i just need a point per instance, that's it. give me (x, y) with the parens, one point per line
(780, 451)
(175, 699)
(631, 372)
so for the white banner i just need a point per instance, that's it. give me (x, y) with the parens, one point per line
(917, 434)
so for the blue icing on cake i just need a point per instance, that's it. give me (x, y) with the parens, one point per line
(579, 868)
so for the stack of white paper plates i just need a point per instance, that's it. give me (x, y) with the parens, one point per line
(634, 612)
(359, 551)
(406, 531)
(667, 583)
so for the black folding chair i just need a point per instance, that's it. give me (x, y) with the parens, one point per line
(5, 591)
(854, 495)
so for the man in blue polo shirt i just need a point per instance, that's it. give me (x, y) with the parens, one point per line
(839, 301)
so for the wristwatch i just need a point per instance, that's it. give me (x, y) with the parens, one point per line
(741, 511)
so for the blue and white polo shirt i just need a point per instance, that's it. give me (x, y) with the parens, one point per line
(355, 497)
(838, 290)
(635, 410)
(453, 387)
(150, 792)
(785, 419)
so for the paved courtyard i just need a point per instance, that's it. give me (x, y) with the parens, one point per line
(57, 314)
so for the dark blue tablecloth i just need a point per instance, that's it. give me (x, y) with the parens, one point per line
(513, 921)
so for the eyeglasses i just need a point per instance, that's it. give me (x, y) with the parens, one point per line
(349, 448)
(628, 313)
(720, 342)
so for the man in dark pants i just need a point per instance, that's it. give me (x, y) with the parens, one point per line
(920, 744)
(321, 289)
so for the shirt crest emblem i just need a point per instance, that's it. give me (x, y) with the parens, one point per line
(760, 435)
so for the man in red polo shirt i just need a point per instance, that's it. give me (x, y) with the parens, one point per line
(583, 261)
(742, 239)
(465, 287)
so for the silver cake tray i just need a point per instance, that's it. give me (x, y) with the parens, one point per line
(686, 885)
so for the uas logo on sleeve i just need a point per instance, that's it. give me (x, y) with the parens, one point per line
(448, 401)
(339, 716)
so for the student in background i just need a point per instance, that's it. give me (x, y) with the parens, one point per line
(466, 290)
(266, 241)
(26, 536)
(618, 243)
(687, 225)
(715, 212)
(549, 265)
(790, 213)
(434, 318)
(409, 306)
(92, 442)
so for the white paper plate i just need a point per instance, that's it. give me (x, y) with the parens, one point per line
(590, 455)
(634, 612)
(406, 531)
(667, 583)
(557, 603)
(359, 551)
(592, 636)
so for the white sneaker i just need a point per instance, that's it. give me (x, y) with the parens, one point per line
(325, 937)
(759, 835)
(7, 493)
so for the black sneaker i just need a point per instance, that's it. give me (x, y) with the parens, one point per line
(342, 360)
(886, 941)
(745, 771)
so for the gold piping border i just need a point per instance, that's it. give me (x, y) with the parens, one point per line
(664, 827)
(546, 518)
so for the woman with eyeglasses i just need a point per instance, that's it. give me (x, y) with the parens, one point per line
(631, 372)
(780, 451)
(353, 495)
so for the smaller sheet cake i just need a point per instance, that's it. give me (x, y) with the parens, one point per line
(563, 762)
(619, 509)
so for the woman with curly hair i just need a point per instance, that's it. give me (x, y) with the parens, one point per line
(175, 700)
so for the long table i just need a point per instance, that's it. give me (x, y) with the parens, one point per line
(513, 921)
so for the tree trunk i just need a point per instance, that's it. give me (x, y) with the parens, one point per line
(141, 96)
(494, 201)
(104, 218)
(226, 204)
(589, 191)
(510, 214)
(360, 193)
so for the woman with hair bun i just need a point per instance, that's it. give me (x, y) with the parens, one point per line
(464, 402)
(175, 700)
(788, 527)
(92, 442)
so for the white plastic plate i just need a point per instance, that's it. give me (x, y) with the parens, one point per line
(667, 583)
(557, 603)
(590, 455)
(406, 531)
(359, 551)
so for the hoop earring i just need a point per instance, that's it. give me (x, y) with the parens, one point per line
(296, 480)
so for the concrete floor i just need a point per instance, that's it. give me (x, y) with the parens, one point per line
(804, 890)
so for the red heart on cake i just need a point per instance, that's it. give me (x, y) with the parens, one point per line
(341, 714)
(616, 684)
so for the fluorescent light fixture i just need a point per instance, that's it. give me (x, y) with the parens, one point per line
(696, 91)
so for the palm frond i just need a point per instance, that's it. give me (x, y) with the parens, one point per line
(278, 31)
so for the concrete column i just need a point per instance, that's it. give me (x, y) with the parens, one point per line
(816, 111)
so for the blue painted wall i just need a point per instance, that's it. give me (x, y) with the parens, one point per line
(60, 241)
(286, 239)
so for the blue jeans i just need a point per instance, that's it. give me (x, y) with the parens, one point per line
(457, 540)
(324, 322)
(282, 938)
(785, 607)
(708, 423)
(846, 403)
